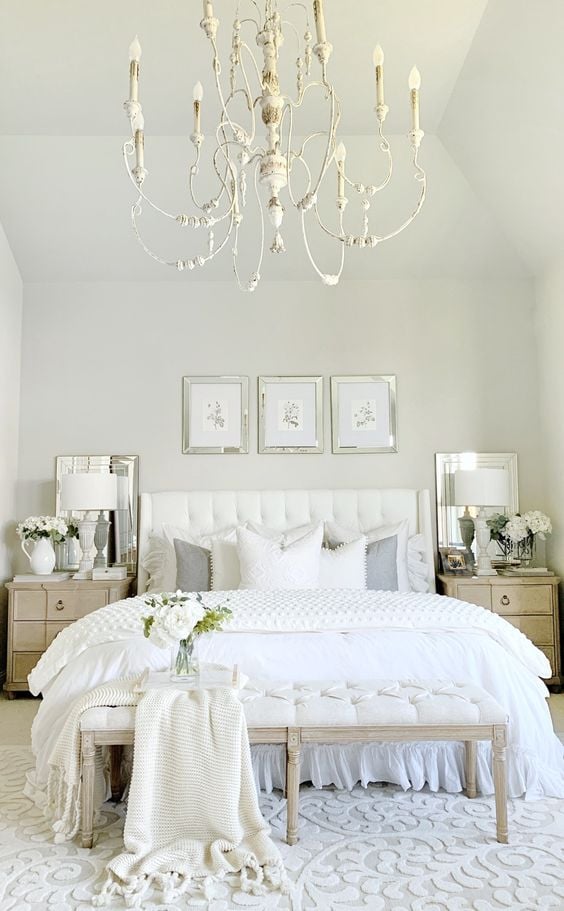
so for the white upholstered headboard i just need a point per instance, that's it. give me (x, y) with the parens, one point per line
(209, 511)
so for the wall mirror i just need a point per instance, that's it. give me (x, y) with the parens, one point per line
(448, 514)
(122, 539)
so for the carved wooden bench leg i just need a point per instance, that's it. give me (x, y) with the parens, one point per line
(293, 784)
(499, 747)
(88, 775)
(116, 753)
(470, 760)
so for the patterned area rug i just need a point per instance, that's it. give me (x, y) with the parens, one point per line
(379, 849)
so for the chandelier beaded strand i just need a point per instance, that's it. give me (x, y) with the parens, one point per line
(238, 160)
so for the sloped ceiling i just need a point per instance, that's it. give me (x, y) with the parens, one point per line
(504, 124)
(65, 197)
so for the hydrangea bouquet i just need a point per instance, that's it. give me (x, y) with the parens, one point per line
(36, 527)
(516, 534)
(177, 619)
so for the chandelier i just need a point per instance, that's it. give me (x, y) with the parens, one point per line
(240, 160)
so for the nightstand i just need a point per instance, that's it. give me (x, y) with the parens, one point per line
(528, 602)
(38, 611)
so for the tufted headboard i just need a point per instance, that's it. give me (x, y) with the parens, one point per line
(209, 511)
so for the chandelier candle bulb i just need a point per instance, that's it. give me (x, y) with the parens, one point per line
(319, 21)
(197, 95)
(379, 68)
(414, 85)
(208, 9)
(134, 57)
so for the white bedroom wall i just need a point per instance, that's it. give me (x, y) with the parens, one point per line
(102, 369)
(550, 335)
(10, 349)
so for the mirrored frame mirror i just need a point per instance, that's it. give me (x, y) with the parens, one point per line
(446, 463)
(122, 540)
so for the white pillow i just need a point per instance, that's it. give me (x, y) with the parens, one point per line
(284, 537)
(335, 535)
(267, 566)
(345, 566)
(160, 559)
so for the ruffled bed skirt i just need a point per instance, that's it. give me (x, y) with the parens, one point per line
(409, 765)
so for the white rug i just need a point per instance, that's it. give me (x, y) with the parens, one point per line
(379, 849)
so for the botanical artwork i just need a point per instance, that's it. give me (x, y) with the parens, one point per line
(215, 416)
(363, 414)
(290, 414)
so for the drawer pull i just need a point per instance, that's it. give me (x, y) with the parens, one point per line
(59, 605)
(505, 600)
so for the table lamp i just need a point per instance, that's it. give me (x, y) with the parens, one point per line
(482, 487)
(92, 493)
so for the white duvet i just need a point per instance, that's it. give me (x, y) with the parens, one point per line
(340, 635)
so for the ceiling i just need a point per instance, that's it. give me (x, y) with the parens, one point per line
(492, 134)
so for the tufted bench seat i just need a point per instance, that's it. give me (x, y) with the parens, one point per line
(335, 712)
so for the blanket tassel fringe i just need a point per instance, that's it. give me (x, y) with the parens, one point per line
(271, 875)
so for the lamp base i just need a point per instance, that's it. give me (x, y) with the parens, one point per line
(483, 536)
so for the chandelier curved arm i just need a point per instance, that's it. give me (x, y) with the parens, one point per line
(129, 149)
(370, 240)
(179, 264)
(372, 189)
(254, 278)
(326, 278)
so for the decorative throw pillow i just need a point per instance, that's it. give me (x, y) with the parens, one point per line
(381, 565)
(159, 562)
(335, 534)
(193, 565)
(266, 565)
(284, 537)
(344, 566)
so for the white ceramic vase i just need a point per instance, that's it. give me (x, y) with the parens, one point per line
(42, 557)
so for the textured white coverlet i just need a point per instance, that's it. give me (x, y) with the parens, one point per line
(333, 635)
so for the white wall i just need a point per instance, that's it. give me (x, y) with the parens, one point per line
(102, 369)
(550, 337)
(10, 348)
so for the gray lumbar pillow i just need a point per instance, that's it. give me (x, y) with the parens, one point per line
(381, 565)
(192, 567)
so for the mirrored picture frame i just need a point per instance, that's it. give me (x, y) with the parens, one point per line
(364, 413)
(215, 415)
(122, 539)
(448, 514)
(290, 414)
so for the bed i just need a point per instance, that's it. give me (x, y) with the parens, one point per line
(315, 635)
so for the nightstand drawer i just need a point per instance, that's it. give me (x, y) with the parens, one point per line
(22, 664)
(475, 594)
(540, 630)
(91, 600)
(61, 605)
(522, 599)
(29, 605)
(53, 630)
(28, 636)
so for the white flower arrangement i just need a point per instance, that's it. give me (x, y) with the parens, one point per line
(538, 522)
(36, 527)
(516, 529)
(176, 616)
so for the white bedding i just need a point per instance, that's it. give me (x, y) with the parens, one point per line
(344, 636)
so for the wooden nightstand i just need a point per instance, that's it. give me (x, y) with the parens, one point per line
(528, 602)
(37, 611)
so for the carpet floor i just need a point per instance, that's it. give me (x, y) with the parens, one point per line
(377, 848)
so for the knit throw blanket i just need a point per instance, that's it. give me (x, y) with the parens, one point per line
(193, 813)
(63, 806)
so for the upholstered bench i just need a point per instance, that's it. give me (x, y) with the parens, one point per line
(335, 712)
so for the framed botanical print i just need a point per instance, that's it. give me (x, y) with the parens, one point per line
(290, 414)
(363, 414)
(215, 414)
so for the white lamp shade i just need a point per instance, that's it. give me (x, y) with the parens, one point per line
(481, 487)
(88, 490)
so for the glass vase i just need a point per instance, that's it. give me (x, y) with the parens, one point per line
(185, 665)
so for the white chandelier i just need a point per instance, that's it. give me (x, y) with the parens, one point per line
(238, 160)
